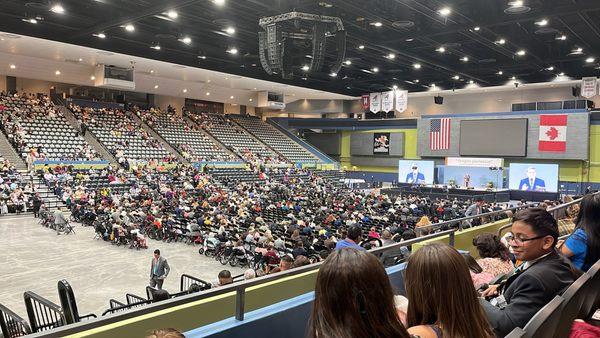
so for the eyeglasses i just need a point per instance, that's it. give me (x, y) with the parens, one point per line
(520, 241)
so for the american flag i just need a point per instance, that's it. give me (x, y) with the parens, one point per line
(439, 136)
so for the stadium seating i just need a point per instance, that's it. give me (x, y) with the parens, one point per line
(268, 134)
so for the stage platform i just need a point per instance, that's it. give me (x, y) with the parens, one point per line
(496, 195)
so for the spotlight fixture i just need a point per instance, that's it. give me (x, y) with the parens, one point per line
(361, 47)
(333, 74)
(232, 51)
(445, 11)
(100, 35)
(394, 87)
(207, 93)
(305, 68)
(230, 30)
(576, 51)
(172, 14)
(513, 78)
(231, 97)
(12, 66)
(92, 78)
(561, 74)
(30, 20)
(391, 56)
(477, 28)
(155, 86)
(417, 66)
(155, 46)
(250, 100)
(542, 22)
(129, 27)
(590, 60)
(501, 41)
(203, 57)
(219, 2)
(376, 24)
(375, 70)
(347, 62)
(456, 77)
(551, 68)
(58, 9)
(521, 52)
(185, 90)
(186, 39)
(471, 82)
(465, 59)
(441, 49)
(500, 72)
(417, 81)
(517, 3)
(57, 72)
(561, 37)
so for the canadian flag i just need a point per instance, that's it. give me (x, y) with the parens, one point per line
(553, 133)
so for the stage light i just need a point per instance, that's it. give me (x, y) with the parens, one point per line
(58, 9)
(129, 28)
(172, 14)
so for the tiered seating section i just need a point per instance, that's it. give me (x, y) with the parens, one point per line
(190, 141)
(122, 135)
(275, 139)
(33, 125)
(235, 138)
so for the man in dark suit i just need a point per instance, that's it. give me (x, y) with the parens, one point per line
(532, 183)
(159, 269)
(415, 177)
(543, 275)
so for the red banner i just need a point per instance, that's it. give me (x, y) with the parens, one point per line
(366, 102)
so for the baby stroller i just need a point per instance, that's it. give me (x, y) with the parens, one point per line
(211, 247)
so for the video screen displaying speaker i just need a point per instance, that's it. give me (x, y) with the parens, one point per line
(533, 177)
(415, 172)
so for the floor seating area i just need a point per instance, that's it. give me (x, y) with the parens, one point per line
(33, 122)
(190, 141)
(291, 150)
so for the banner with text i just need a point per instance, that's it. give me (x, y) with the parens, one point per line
(375, 102)
(401, 100)
(589, 87)
(387, 101)
(365, 102)
(474, 162)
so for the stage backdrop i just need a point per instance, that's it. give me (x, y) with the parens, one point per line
(479, 176)
(533, 177)
(577, 138)
(423, 174)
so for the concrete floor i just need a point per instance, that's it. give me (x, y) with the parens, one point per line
(34, 258)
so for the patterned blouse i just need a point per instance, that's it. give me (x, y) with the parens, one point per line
(492, 267)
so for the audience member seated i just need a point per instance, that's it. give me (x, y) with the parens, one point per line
(165, 333)
(352, 239)
(494, 259)
(583, 245)
(224, 278)
(354, 298)
(542, 275)
(442, 301)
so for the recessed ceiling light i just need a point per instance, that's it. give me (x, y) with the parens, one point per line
(500, 72)
(577, 51)
(477, 28)
(375, 69)
(250, 100)
(333, 74)
(514, 78)
(551, 68)
(561, 37)
(129, 27)
(376, 24)
(92, 78)
(57, 8)
(433, 85)
(30, 20)
(417, 66)
(155, 86)
(465, 59)
(232, 51)
(100, 35)
(207, 93)
(590, 60)
(347, 62)
(230, 30)
(185, 90)
(155, 47)
(231, 97)
(517, 3)
(394, 87)
(501, 41)
(417, 81)
(521, 52)
(561, 74)
(471, 82)
(391, 56)
(361, 47)
(441, 49)
(456, 77)
(445, 11)
(151, 71)
(57, 72)
(186, 39)
(172, 14)
(203, 57)
(542, 22)
(305, 68)
(409, 40)
(12, 66)
(219, 2)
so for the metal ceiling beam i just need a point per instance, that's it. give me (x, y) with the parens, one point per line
(163, 7)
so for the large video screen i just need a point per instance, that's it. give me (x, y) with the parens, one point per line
(498, 137)
(415, 172)
(533, 177)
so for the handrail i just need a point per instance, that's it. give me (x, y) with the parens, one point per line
(42, 313)
(109, 316)
(11, 324)
(187, 280)
(113, 303)
(460, 220)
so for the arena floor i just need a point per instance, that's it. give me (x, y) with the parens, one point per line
(34, 259)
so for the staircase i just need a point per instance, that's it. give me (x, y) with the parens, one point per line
(221, 145)
(164, 143)
(8, 152)
(89, 137)
(264, 144)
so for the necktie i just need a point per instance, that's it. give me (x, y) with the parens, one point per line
(531, 183)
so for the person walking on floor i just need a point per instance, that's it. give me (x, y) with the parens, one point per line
(159, 270)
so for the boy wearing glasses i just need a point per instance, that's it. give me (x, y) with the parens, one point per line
(542, 275)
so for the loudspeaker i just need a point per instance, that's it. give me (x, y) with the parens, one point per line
(576, 91)
(438, 99)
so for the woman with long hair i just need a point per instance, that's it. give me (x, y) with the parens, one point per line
(583, 246)
(494, 259)
(442, 301)
(354, 298)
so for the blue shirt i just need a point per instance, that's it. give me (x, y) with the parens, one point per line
(577, 243)
(347, 244)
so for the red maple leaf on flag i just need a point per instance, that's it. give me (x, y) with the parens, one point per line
(552, 133)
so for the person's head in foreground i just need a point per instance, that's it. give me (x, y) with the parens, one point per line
(225, 277)
(354, 298)
(165, 333)
(534, 234)
(441, 295)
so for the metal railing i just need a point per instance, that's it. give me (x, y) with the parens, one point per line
(11, 324)
(239, 288)
(186, 281)
(43, 314)
(131, 298)
(113, 303)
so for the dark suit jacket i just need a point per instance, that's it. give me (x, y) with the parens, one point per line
(419, 179)
(527, 292)
(538, 184)
(163, 268)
